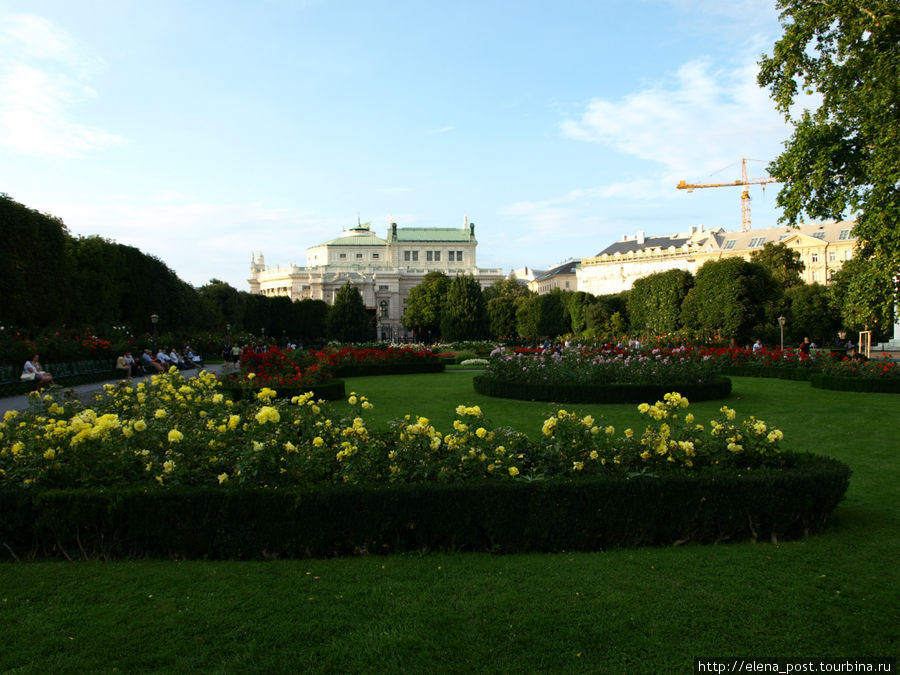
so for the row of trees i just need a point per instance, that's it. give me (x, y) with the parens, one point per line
(731, 298)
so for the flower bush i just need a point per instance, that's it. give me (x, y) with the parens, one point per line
(873, 369)
(355, 356)
(175, 431)
(605, 365)
(276, 368)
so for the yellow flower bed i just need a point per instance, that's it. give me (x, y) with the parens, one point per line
(177, 431)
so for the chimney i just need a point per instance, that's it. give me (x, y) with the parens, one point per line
(640, 238)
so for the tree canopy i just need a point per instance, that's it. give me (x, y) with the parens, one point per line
(844, 156)
(348, 320)
(424, 305)
(464, 316)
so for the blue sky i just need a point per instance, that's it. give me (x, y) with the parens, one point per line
(202, 131)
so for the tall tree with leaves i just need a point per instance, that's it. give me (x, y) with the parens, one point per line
(348, 320)
(464, 316)
(844, 157)
(424, 305)
(503, 299)
(782, 261)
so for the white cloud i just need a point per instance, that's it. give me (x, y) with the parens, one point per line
(43, 76)
(706, 119)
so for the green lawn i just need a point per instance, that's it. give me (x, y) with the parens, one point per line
(642, 610)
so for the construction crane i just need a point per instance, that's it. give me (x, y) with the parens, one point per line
(744, 182)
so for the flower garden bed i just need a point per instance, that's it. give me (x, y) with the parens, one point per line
(610, 374)
(331, 390)
(173, 467)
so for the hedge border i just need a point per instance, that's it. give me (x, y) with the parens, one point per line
(781, 373)
(587, 514)
(718, 388)
(333, 390)
(400, 368)
(867, 385)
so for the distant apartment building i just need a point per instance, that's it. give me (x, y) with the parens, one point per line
(823, 248)
(384, 270)
(560, 277)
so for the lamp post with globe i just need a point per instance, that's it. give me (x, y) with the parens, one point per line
(781, 322)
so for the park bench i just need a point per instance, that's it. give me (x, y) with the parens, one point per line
(65, 373)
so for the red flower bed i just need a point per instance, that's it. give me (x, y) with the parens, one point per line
(275, 368)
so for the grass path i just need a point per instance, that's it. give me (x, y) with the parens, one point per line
(641, 610)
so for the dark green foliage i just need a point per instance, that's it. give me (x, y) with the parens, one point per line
(543, 316)
(654, 303)
(503, 300)
(720, 387)
(348, 320)
(731, 296)
(424, 305)
(464, 315)
(784, 263)
(510, 516)
(785, 373)
(859, 384)
(843, 157)
(396, 368)
(861, 293)
(35, 271)
(811, 314)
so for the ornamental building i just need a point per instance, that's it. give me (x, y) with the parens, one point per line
(823, 248)
(384, 270)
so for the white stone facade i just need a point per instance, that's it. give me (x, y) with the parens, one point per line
(384, 270)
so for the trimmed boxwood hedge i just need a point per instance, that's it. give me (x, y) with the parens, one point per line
(587, 514)
(864, 384)
(718, 388)
(785, 373)
(399, 368)
(332, 390)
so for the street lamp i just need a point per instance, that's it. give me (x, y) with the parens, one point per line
(154, 319)
(781, 322)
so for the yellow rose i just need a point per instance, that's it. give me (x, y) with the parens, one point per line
(175, 436)
(513, 471)
(223, 478)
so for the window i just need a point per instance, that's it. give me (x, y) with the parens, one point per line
(783, 237)
(450, 255)
(819, 235)
(815, 275)
(374, 256)
(844, 235)
(415, 255)
(406, 256)
(729, 244)
(383, 288)
(359, 256)
(756, 242)
(459, 256)
(814, 257)
(848, 255)
(384, 309)
(342, 256)
(832, 256)
(437, 256)
(428, 256)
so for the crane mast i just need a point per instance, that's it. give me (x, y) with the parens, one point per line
(745, 182)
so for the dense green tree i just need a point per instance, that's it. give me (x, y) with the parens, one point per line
(655, 301)
(811, 314)
(424, 305)
(227, 301)
(577, 306)
(543, 316)
(35, 270)
(860, 291)
(348, 320)
(844, 156)
(464, 316)
(731, 297)
(503, 299)
(312, 316)
(783, 262)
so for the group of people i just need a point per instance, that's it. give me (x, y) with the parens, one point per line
(34, 372)
(158, 363)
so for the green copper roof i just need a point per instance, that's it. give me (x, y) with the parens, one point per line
(454, 234)
(358, 240)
